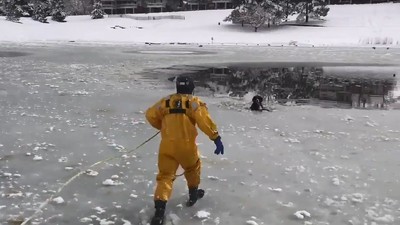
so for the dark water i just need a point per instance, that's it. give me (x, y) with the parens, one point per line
(343, 86)
(12, 54)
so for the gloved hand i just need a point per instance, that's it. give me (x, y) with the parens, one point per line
(219, 145)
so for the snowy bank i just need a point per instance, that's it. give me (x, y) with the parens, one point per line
(345, 25)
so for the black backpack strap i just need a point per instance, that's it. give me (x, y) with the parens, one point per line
(177, 111)
(187, 104)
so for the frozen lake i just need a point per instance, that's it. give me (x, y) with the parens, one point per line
(66, 107)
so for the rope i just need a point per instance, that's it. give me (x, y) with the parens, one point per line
(80, 173)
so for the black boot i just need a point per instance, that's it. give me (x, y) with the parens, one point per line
(158, 218)
(194, 194)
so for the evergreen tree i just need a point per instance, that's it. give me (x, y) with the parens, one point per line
(238, 15)
(11, 10)
(256, 15)
(26, 8)
(275, 11)
(58, 10)
(289, 7)
(258, 12)
(98, 12)
(40, 11)
(310, 9)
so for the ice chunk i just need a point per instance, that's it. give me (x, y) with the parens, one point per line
(86, 220)
(370, 124)
(212, 178)
(136, 122)
(7, 174)
(99, 210)
(126, 222)
(288, 205)
(251, 222)
(302, 214)
(348, 118)
(202, 214)
(384, 219)
(91, 173)
(109, 182)
(14, 195)
(133, 196)
(58, 200)
(37, 158)
(63, 159)
(275, 189)
(357, 198)
(336, 181)
(106, 222)
(292, 140)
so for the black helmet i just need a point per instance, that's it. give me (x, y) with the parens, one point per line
(184, 85)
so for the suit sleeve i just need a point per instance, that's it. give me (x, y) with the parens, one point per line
(204, 121)
(154, 115)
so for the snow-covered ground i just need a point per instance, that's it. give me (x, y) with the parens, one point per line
(66, 107)
(345, 25)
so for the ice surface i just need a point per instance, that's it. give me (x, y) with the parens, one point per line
(329, 162)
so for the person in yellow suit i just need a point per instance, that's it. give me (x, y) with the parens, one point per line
(176, 116)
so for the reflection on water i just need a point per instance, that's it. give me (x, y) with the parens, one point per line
(360, 87)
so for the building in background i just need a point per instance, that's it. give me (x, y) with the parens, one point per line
(149, 6)
(119, 6)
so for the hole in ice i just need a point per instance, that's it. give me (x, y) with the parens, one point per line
(330, 85)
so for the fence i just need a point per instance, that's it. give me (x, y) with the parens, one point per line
(173, 17)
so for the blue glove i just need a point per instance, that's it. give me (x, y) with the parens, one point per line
(219, 145)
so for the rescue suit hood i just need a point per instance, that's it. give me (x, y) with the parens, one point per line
(184, 85)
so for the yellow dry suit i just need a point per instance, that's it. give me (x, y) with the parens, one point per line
(176, 116)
